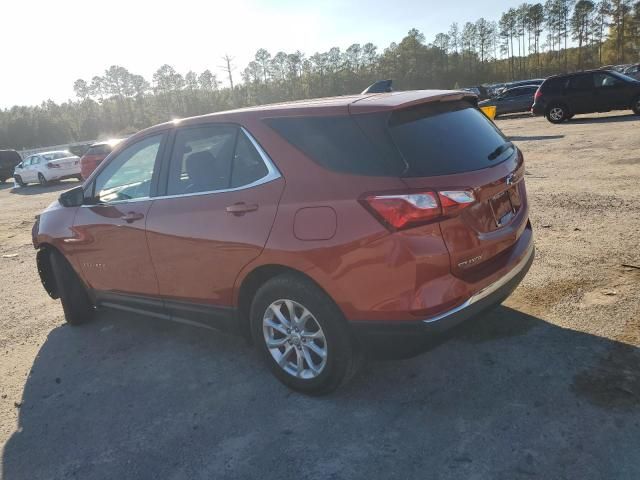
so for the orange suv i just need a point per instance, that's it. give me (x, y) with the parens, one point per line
(307, 226)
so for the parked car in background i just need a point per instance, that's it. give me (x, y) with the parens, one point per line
(8, 161)
(633, 71)
(305, 225)
(514, 100)
(561, 97)
(479, 90)
(520, 83)
(96, 153)
(46, 167)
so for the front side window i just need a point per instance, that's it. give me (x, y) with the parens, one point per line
(604, 80)
(128, 175)
(211, 158)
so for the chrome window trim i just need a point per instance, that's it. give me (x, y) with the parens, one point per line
(272, 174)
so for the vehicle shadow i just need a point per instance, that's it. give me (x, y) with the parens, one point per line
(612, 119)
(524, 138)
(509, 396)
(36, 189)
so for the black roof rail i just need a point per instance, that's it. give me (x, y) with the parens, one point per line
(381, 86)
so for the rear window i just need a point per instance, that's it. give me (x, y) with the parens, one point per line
(433, 139)
(99, 150)
(446, 138)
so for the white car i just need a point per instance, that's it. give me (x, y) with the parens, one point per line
(47, 166)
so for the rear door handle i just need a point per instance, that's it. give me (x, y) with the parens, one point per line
(132, 217)
(241, 208)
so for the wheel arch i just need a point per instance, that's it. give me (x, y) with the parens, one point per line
(257, 277)
(45, 270)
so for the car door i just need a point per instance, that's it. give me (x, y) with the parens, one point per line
(219, 204)
(611, 92)
(523, 101)
(22, 171)
(111, 245)
(28, 169)
(580, 94)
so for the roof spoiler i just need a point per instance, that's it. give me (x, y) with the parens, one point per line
(381, 86)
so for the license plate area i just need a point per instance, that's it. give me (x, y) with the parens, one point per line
(504, 206)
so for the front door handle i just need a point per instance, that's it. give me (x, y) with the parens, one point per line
(132, 217)
(241, 208)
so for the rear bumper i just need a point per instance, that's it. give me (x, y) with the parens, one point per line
(537, 109)
(63, 174)
(486, 298)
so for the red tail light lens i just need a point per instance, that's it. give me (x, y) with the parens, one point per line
(402, 211)
(52, 165)
(537, 95)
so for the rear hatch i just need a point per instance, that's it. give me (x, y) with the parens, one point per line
(452, 151)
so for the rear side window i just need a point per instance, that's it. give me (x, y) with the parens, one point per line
(581, 83)
(210, 158)
(440, 138)
(446, 138)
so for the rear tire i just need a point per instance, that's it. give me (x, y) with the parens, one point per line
(77, 305)
(557, 113)
(635, 106)
(312, 349)
(42, 179)
(19, 181)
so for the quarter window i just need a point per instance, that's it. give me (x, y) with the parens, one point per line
(128, 175)
(211, 158)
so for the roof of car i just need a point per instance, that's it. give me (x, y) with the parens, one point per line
(53, 151)
(361, 103)
(111, 142)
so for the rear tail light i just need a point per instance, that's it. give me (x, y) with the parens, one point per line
(537, 95)
(402, 211)
(52, 165)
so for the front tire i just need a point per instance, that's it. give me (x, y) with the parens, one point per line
(42, 179)
(557, 113)
(77, 305)
(302, 335)
(19, 181)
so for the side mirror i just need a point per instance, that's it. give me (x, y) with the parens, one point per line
(72, 198)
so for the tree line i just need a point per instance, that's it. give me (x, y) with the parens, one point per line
(531, 40)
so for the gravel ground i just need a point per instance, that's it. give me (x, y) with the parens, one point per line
(546, 386)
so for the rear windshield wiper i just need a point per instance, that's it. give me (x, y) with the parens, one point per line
(500, 150)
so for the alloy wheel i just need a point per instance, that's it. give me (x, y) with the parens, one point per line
(556, 113)
(41, 179)
(295, 339)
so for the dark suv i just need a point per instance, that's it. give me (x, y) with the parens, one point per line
(561, 97)
(306, 226)
(8, 161)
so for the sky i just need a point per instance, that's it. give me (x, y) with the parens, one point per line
(48, 44)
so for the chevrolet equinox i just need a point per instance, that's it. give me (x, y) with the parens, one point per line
(306, 226)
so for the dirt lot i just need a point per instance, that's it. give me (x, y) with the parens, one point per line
(546, 386)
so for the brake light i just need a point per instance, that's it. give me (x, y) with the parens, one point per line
(537, 95)
(402, 211)
(52, 165)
